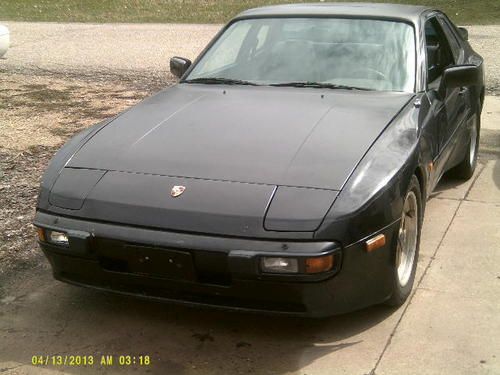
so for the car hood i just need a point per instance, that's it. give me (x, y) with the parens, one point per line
(261, 135)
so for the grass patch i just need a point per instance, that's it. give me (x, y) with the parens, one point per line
(201, 11)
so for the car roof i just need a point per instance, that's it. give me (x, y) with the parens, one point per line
(409, 13)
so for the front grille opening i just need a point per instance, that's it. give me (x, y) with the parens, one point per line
(212, 268)
(114, 265)
(214, 278)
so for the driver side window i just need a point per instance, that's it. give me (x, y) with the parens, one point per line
(439, 55)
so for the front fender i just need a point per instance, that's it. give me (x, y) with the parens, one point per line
(60, 159)
(372, 197)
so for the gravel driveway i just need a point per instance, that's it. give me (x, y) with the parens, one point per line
(135, 51)
(486, 41)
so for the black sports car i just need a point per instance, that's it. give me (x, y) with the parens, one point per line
(286, 172)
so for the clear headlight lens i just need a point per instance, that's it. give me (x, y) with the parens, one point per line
(57, 238)
(279, 265)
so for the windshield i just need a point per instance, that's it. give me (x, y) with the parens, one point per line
(336, 52)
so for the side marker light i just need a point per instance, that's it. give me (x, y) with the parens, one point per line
(375, 243)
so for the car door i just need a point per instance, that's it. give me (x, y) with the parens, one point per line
(461, 110)
(458, 143)
(448, 107)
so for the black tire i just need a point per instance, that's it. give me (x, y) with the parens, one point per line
(401, 292)
(465, 170)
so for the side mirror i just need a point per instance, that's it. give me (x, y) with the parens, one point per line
(459, 76)
(179, 66)
(464, 33)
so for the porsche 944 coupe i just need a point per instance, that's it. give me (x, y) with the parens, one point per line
(286, 172)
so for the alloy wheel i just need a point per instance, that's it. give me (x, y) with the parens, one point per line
(473, 145)
(407, 239)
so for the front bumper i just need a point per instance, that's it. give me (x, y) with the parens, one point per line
(225, 270)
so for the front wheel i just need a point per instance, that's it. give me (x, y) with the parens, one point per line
(465, 170)
(408, 242)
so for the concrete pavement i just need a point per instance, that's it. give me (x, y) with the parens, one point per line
(449, 326)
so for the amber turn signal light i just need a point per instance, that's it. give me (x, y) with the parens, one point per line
(41, 234)
(375, 243)
(319, 264)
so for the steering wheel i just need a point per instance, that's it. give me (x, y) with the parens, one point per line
(378, 74)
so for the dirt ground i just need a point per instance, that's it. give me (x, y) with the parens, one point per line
(39, 111)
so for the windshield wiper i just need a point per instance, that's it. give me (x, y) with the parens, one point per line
(319, 85)
(218, 81)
